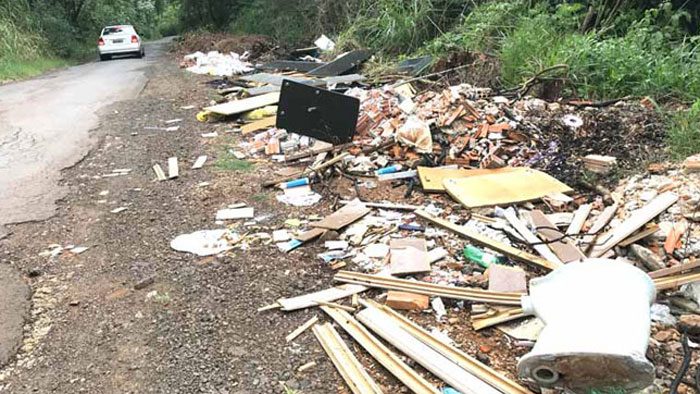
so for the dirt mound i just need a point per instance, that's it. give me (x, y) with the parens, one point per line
(483, 69)
(630, 132)
(256, 45)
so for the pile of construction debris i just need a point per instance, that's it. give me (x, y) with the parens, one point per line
(488, 220)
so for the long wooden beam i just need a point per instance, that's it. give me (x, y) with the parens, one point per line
(442, 367)
(455, 355)
(479, 239)
(345, 362)
(381, 353)
(460, 293)
(501, 316)
(670, 282)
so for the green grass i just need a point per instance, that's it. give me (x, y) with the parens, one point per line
(227, 162)
(261, 196)
(684, 132)
(12, 70)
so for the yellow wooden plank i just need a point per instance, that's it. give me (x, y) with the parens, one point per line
(381, 353)
(503, 188)
(258, 125)
(356, 377)
(432, 178)
(244, 105)
(301, 329)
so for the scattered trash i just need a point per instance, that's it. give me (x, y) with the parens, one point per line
(173, 168)
(508, 161)
(205, 242)
(235, 213)
(199, 163)
(324, 43)
(217, 64)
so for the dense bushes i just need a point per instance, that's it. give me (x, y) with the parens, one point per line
(20, 35)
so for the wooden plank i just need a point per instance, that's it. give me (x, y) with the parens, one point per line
(469, 364)
(199, 163)
(381, 353)
(432, 178)
(244, 105)
(263, 123)
(301, 329)
(382, 205)
(311, 234)
(561, 219)
(579, 219)
(675, 281)
(353, 373)
(343, 217)
(650, 230)
(173, 169)
(482, 240)
(309, 300)
(160, 175)
(531, 238)
(502, 188)
(601, 221)
(547, 230)
(636, 220)
(386, 328)
(430, 289)
(501, 316)
(337, 306)
(409, 256)
(674, 270)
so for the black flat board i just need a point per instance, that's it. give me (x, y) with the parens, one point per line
(291, 65)
(415, 66)
(342, 65)
(317, 113)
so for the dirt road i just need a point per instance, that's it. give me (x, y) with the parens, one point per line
(45, 124)
(195, 328)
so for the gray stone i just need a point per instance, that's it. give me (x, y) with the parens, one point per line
(691, 291)
(649, 259)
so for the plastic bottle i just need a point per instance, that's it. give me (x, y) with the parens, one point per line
(482, 258)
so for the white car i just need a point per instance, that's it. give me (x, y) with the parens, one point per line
(119, 40)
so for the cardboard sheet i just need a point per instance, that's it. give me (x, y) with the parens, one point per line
(432, 178)
(501, 188)
(343, 216)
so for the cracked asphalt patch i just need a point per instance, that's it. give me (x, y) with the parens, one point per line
(14, 310)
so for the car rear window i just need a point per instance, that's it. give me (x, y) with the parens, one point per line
(116, 30)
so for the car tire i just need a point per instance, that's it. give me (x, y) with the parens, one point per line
(142, 54)
(105, 57)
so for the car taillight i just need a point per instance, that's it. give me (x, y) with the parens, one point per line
(101, 41)
(134, 40)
